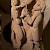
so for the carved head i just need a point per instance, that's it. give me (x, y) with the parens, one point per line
(13, 2)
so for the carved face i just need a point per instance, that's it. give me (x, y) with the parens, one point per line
(13, 2)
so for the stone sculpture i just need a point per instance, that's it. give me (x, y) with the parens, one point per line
(26, 24)
(46, 14)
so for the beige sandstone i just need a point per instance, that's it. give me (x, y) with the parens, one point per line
(32, 34)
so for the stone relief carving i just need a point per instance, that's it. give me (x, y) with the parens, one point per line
(25, 26)
(46, 14)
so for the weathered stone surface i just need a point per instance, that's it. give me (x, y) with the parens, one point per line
(30, 32)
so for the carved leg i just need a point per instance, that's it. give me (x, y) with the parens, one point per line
(13, 40)
(16, 41)
(18, 35)
(36, 39)
(36, 34)
(29, 44)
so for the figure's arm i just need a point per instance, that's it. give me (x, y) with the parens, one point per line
(25, 25)
(36, 13)
(24, 3)
(40, 5)
(37, 20)
(29, 19)
(25, 15)
(24, 12)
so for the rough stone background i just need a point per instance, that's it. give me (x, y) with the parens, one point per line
(5, 19)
